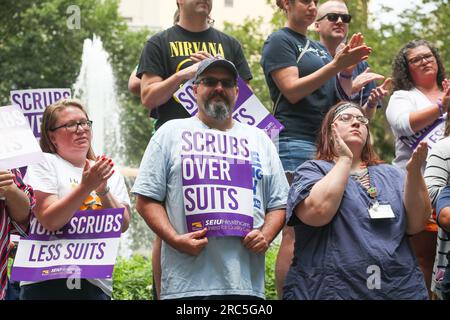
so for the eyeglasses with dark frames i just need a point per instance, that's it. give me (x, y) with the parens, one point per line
(418, 60)
(347, 117)
(72, 126)
(333, 17)
(212, 82)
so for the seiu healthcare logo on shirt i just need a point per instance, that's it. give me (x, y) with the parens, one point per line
(217, 182)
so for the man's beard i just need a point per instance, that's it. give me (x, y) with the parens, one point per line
(220, 109)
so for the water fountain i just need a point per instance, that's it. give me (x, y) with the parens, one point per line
(95, 87)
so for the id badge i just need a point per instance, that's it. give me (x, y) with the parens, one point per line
(381, 211)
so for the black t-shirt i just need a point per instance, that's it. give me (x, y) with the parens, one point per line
(303, 119)
(168, 51)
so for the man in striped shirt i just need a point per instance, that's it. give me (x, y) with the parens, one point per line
(16, 201)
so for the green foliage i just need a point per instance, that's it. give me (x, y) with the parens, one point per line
(39, 50)
(132, 279)
(251, 38)
(270, 288)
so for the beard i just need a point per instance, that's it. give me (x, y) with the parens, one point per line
(219, 109)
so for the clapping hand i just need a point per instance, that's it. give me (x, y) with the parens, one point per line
(352, 53)
(446, 96)
(95, 177)
(418, 158)
(364, 78)
(379, 93)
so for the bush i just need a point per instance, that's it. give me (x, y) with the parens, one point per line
(132, 279)
(271, 256)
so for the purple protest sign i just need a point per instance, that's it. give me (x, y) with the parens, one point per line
(33, 103)
(248, 108)
(86, 247)
(217, 182)
(221, 224)
(218, 170)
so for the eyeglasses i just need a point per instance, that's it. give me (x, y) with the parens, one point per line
(347, 117)
(72, 126)
(418, 60)
(212, 82)
(333, 17)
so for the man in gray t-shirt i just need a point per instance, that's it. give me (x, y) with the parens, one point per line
(215, 192)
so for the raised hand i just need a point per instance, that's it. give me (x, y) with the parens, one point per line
(446, 96)
(192, 243)
(364, 78)
(418, 158)
(356, 40)
(348, 57)
(95, 177)
(340, 148)
(446, 84)
(379, 93)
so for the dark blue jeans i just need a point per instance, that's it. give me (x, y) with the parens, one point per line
(13, 290)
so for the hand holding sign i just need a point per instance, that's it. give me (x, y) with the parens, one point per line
(6, 182)
(192, 243)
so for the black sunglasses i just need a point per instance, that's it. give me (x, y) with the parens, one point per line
(333, 17)
(212, 82)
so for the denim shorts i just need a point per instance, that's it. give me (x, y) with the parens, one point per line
(294, 152)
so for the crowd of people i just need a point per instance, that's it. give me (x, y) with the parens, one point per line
(217, 192)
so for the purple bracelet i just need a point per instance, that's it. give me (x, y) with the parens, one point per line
(345, 76)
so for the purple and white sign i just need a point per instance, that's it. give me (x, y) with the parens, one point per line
(18, 147)
(33, 103)
(217, 183)
(86, 247)
(248, 108)
(431, 134)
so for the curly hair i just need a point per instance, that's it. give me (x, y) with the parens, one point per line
(401, 77)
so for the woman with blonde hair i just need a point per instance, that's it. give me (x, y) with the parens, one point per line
(71, 179)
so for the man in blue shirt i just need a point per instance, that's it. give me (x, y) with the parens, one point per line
(214, 191)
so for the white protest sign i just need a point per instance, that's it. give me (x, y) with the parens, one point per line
(18, 146)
